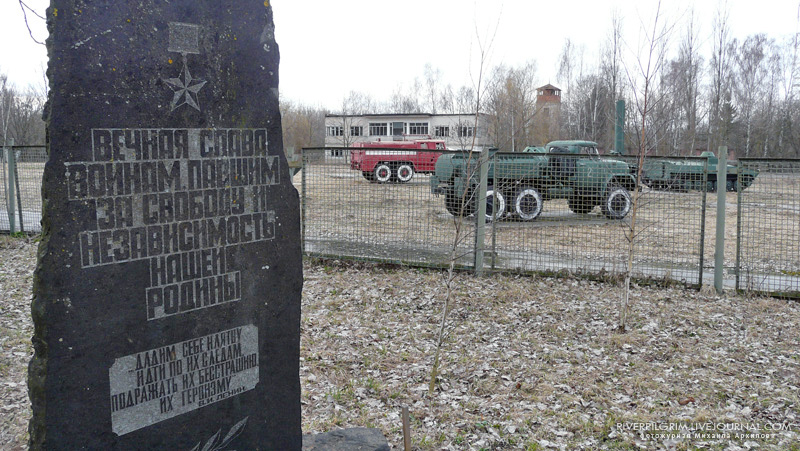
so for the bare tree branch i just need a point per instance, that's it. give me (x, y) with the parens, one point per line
(23, 7)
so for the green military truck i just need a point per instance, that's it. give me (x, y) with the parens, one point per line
(670, 175)
(519, 183)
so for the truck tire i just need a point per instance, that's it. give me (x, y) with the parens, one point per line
(382, 173)
(493, 195)
(369, 176)
(528, 203)
(617, 203)
(405, 172)
(452, 202)
(580, 205)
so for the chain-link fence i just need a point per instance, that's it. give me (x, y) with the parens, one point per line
(545, 212)
(21, 188)
(768, 255)
(587, 222)
(553, 212)
(350, 213)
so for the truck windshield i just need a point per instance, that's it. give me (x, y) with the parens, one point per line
(583, 150)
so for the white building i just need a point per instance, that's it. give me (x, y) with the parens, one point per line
(459, 131)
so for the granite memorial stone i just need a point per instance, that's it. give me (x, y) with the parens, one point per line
(167, 295)
(353, 439)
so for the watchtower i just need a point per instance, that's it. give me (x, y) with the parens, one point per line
(548, 114)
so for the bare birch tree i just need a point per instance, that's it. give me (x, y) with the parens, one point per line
(720, 78)
(21, 114)
(511, 104)
(642, 77)
(751, 70)
(484, 52)
(610, 78)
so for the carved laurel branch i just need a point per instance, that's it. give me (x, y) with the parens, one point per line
(216, 444)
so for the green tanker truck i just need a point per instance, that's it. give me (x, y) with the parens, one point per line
(671, 175)
(519, 183)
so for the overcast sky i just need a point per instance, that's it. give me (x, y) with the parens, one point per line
(331, 48)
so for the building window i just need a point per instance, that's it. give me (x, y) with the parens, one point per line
(356, 130)
(334, 130)
(417, 128)
(378, 129)
(466, 131)
(442, 131)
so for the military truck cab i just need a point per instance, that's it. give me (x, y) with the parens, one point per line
(562, 164)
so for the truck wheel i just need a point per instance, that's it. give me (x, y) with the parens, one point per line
(452, 202)
(580, 205)
(617, 203)
(528, 203)
(383, 173)
(496, 200)
(405, 172)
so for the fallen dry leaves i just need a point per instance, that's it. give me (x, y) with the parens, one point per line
(17, 260)
(530, 362)
(536, 363)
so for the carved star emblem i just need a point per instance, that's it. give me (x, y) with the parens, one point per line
(185, 90)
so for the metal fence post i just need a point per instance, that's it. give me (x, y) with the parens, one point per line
(738, 267)
(480, 214)
(722, 191)
(12, 197)
(19, 194)
(703, 223)
(494, 214)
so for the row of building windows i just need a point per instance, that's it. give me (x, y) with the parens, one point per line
(443, 131)
(417, 128)
(409, 128)
(378, 129)
(338, 130)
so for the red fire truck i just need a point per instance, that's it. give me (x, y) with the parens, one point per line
(395, 161)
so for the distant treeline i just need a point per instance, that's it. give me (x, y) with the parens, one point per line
(744, 94)
(21, 114)
(740, 93)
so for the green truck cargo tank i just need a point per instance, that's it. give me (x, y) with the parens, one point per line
(519, 183)
(665, 175)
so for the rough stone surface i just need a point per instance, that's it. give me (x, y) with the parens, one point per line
(353, 439)
(167, 295)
